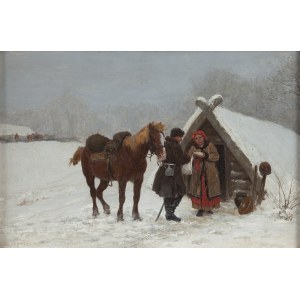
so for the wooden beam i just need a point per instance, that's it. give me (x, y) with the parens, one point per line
(196, 124)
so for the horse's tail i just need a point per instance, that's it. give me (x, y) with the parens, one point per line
(76, 157)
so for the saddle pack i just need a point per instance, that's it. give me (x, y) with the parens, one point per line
(101, 147)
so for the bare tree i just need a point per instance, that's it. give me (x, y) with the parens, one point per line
(286, 202)
(273, 98)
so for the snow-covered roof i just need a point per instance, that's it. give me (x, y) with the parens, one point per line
(7, 129)
(259, 140)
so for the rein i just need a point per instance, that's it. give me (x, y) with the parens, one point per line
(152, 147)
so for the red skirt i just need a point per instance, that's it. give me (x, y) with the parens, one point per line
(205, 203)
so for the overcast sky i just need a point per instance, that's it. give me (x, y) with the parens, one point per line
(36, 78)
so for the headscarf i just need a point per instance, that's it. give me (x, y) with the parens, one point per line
(199, 132)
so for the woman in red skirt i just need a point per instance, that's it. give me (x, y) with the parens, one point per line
(205, 184)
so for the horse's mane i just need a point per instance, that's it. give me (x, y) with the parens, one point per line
(159, 126)
(142, 136)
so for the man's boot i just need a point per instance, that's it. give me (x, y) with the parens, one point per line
(170, 206)
(177, 201)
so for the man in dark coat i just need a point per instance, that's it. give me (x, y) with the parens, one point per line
(171, 187)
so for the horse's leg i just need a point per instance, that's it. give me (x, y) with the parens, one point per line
(90, 178)
(91, 183)
(102, 186)
(122, 188)
(137, 184)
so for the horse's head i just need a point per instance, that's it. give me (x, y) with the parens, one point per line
(156, 140)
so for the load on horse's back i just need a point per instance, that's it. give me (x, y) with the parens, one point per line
(100, 146)
(96, 142)
(122, 159)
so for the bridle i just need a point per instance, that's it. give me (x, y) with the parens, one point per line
(153, 147)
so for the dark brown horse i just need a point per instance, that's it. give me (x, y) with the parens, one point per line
(129, 164)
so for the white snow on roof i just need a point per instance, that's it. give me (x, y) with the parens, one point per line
(262, 140)
(192, 119)
(7, 129)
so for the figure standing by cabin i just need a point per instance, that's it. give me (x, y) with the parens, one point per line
(30, 137)
(204, 188)
(168, 182)
(17, 137)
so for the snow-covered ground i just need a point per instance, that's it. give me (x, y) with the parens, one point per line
(47, 204)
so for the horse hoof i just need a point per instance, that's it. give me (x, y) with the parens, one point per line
(95, 213)
(107, 211)
(137, 218)
(120, 219)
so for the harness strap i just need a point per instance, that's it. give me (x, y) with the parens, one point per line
(109, 172)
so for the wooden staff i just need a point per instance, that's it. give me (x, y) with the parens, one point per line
(254, 186)
(160, 211)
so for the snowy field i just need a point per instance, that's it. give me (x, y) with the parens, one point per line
(47, 204)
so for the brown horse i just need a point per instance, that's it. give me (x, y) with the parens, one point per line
(129, 164)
